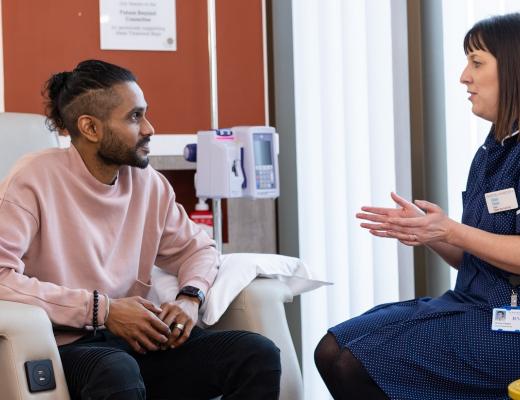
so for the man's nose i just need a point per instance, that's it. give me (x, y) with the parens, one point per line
(147, 128)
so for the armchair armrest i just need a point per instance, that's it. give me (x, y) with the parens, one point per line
(25, 335)
(259, 308)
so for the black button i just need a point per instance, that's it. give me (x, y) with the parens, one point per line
(41, 375)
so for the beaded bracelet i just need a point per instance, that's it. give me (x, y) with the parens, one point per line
(95, 308)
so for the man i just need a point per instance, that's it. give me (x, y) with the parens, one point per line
(80, 230)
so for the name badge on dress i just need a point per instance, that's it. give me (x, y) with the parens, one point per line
(506, 319)
(501, 200)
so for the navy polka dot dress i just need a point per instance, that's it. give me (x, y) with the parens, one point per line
(444, 348)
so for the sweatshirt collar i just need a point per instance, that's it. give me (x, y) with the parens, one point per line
(91, 180)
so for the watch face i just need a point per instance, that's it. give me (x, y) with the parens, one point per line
(190, 290)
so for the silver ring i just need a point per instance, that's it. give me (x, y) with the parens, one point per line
(179, 326)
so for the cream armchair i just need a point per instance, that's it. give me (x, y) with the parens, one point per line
(26, 332)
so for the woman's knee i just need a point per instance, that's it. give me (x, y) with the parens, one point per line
(326, 352)
(335, 364)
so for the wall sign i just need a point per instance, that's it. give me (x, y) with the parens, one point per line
(138, 25)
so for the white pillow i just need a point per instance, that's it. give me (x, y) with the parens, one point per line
(236, 271)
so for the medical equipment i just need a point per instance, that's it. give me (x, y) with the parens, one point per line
(237, 162)
(203, 216)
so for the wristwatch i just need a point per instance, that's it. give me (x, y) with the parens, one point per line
(192, 291)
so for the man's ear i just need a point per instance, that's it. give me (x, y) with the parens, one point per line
(90, 128)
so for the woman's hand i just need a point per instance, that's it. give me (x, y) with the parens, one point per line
(412, 224)
(433, 227)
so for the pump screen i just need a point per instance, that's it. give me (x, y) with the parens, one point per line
(263, 149)
(264, 167)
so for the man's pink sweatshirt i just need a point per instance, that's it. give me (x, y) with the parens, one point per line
(63, 234)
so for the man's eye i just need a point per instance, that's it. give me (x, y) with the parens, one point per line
(476, 64)
(136, 115)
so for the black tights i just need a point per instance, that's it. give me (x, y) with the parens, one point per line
(344, 375)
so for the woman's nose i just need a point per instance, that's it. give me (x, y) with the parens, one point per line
(465, 77)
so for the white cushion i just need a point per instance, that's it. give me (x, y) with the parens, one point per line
(236, 271)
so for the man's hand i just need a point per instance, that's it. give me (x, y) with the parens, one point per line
(183, 311)
(136, 320)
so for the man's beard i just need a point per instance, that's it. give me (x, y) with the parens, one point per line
(114, 152)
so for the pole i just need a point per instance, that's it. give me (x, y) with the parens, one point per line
(213, 81)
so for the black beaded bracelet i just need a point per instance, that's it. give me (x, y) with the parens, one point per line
(95, 309)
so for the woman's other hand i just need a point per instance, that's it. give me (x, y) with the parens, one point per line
(412, 224)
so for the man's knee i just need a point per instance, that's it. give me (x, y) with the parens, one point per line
(258, 352)
(114, 376)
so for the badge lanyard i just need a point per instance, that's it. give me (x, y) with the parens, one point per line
(514, 281)
(498, 201)
(507, 318)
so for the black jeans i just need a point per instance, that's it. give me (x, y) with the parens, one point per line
(235, 364)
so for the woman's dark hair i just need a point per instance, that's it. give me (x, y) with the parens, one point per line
(85, 90)
(500, 35)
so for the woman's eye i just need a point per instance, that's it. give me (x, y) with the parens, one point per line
(136, 116)
(476, 64)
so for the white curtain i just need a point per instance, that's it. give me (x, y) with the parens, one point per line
(465, 132)
(352, 135)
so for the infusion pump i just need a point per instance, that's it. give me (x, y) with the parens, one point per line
(236, 162)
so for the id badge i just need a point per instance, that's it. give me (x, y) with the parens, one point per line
(506, 319)
(501, 200)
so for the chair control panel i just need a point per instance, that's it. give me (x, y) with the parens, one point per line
(40, 375)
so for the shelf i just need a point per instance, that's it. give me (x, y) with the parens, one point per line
(169, 163)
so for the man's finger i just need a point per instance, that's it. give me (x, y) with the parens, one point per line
(170, 318)
(171, 341)
(185, 334)
(136, 346)
(150, 306)
(159, 325)
(169, 314)
(148, 344)
(153, 335)
(178, 328)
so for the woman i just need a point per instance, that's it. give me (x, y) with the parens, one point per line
(444, 348)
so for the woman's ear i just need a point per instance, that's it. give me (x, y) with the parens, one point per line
(89, 128)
